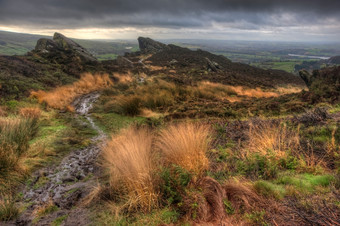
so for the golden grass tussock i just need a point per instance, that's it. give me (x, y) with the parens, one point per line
(267, 137)
(150, 114)
(3, 112)
(186, 145)
(94, 195)
(8, 208)
(132, 164)
(30, 112)
(45, 208)
(63, 96)
(155, 68)
(289, 89)
(221, 91)
(124, 78)
(15, 134)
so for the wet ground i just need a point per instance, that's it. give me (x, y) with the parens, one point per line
(67, 183)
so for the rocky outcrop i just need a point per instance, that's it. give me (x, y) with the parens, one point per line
(212, 65)
(60, 43)
(147, 45)
(45, 45)
(323, 83)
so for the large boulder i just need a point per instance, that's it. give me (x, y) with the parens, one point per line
(60, 43)
(147, 45)
(45, 45)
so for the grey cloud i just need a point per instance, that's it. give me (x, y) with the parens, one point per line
(253, 14)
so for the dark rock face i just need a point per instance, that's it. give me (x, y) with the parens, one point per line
(147, 45)
(60, 43)
(45, 45)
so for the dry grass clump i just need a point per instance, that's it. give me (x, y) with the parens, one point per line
(63, 96)
(124, 78)
(155, 68)
(214, 90)
(45, 209)
(186, 145)
(149, 113)
(288, 90)
(132, 164)
(272, 137)
(32, 112)
(219, 91)
(8, 209)
(15, 134)
(209, 201)
(3, 112)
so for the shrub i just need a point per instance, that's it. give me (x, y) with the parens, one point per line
(186, 145)
(132, 164)
(174, 181)
(258, 166)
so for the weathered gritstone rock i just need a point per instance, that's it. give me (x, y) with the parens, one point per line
(60, 43)
(147, 45)
(65, 183)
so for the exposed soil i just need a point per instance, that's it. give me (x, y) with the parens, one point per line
(64, 185)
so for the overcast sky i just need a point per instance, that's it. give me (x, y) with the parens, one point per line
(281, 20)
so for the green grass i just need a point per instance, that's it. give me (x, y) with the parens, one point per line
(59, 220)
(41, 182)
(112, 122)
(306, 183)
(287, 66)
(163, 216)
(8, 210)
(335, 109)
(108, 56)
(269, 189)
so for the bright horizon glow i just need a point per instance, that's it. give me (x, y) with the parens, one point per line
(215, 33)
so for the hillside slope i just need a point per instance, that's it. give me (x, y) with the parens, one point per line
(19, 44)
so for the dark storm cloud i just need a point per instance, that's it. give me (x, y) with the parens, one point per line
(165, 13)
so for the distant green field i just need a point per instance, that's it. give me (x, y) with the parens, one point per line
(107, 56)
(285, 65)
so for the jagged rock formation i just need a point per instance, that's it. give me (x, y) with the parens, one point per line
(147, 45)
(60, 43)
(212, 65)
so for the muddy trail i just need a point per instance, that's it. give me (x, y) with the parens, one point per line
(62, 187)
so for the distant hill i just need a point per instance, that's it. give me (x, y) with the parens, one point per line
(19, 44)
(334, 60)
(203, 65)
(58, 61)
